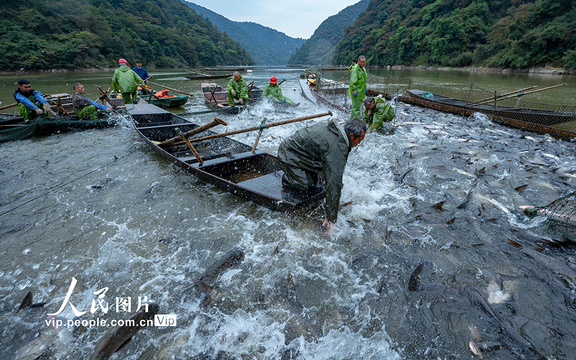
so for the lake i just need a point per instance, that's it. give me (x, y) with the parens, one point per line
(431, 251)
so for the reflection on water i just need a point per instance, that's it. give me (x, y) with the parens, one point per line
(442, 191)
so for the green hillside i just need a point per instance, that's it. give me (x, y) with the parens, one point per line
(504, 33)
(266, 46)
(69, 34)
(319, 49)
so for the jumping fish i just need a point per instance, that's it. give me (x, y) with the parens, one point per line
(231, 258)
(27, 303)
(480, 348)
(414, 282)
(119, 336)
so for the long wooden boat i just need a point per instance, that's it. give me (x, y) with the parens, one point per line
(226, 163)
(208, 77)
(166, 102)
(557, 123)
(217, 97)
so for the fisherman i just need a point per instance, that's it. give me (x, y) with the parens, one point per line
(126, 81)
(31, 102)
(357, 87)
(84, 107)
(377, 111)
(273, 92)
(237, 89)
(140, 71)
(322, 148)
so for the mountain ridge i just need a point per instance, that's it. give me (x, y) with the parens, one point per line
(266, 46)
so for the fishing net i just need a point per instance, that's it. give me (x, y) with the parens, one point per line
(48, 126)
(561, 210)
(516, 106)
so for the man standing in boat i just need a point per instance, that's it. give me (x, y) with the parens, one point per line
(273, 93)
(376, 112)
(237, 89)
(357, 87)
(31, 102)
(126, 81)
(321, 149)
(85, 108)
(140, 71)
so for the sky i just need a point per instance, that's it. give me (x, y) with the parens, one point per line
(295, 18)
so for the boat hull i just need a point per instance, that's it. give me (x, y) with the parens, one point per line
(227, 163)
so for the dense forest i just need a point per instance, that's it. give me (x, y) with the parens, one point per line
(319, 49)
(71, 34)
(494, 33)
(266, 46)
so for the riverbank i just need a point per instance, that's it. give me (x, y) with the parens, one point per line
(543, 70)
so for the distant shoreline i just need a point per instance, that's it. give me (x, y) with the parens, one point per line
(543, 70)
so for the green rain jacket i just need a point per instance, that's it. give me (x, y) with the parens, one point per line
(357, 82)
(126, 80)
(239, 86)
(323, 147)
(381, 112)
(274, 93)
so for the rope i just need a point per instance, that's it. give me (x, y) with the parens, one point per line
(62, 185)
(263, 125)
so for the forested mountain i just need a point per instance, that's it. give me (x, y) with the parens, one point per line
(67, 34)
(320, 48)
(495, 33)
(266, 46)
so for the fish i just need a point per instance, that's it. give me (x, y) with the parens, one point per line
(521, 188)
(480, 348)
(467, 198)
(230, 259)
(414, 282)
(27, 303)
(439, 205)
(118, 336)
(462, 172)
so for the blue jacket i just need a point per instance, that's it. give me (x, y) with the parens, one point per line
(79, 101)
(22, 99)
(141, 72)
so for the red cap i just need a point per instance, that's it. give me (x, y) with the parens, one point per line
(122, 61)
(273, 80)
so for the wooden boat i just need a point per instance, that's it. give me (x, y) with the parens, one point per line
(217, 97)
(208, 77)
(166, 102)
(13, 127)
(225, 68)
(558, 123)
(226, 163)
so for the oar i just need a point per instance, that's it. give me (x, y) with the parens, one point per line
(259, 134)
(176, 140)
(254, 128)
(499, 96)
(59, 107)
(526, 93)
(8, 106)
(164, 86)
